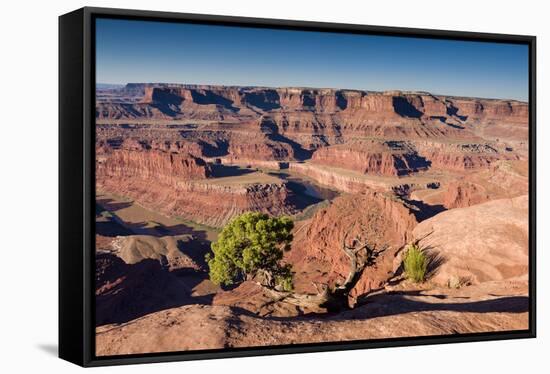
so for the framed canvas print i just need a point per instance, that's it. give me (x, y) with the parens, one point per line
(236, 186)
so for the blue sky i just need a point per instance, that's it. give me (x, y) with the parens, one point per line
(144, 51)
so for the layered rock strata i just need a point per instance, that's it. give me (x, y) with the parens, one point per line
(315, 117)
(159, 166)
(178, 185)
(372, 157)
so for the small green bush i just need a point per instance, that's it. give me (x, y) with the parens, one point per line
(415, 263)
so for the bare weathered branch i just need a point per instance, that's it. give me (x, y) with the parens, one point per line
(361, 254)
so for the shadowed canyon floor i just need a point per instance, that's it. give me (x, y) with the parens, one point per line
(175, 163)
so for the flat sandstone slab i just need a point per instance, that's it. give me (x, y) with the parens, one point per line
(436, 312)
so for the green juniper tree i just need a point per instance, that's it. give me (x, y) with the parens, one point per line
(251, 247)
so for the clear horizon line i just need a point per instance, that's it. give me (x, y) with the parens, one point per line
(321, 88)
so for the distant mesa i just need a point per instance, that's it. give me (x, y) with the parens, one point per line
(264, 99)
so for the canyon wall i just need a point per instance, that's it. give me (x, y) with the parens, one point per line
(155, 165)
(372, 157)
(285, 124)
(352, 182)
(350, 140)
(205, 203)
(459, 194)
(179, 185)
(379, 104)
(340, 182)
(325, 113)
(460, 156)
(503, 179)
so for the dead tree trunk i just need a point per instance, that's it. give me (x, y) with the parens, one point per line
(333, 299)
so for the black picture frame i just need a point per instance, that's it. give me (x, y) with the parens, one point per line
(77, 189)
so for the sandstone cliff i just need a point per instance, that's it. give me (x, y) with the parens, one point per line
(462, 156)
(501, 179)
(167, 183)
(372, 157)
(154, 165)
(398, 103)
(355, 182)
(460, 194)
(209, 204)
(313, 116)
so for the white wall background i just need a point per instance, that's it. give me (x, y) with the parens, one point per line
(28, 184)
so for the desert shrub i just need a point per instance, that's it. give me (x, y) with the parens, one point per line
(415, 263)
(250, 245)
(456, 281)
